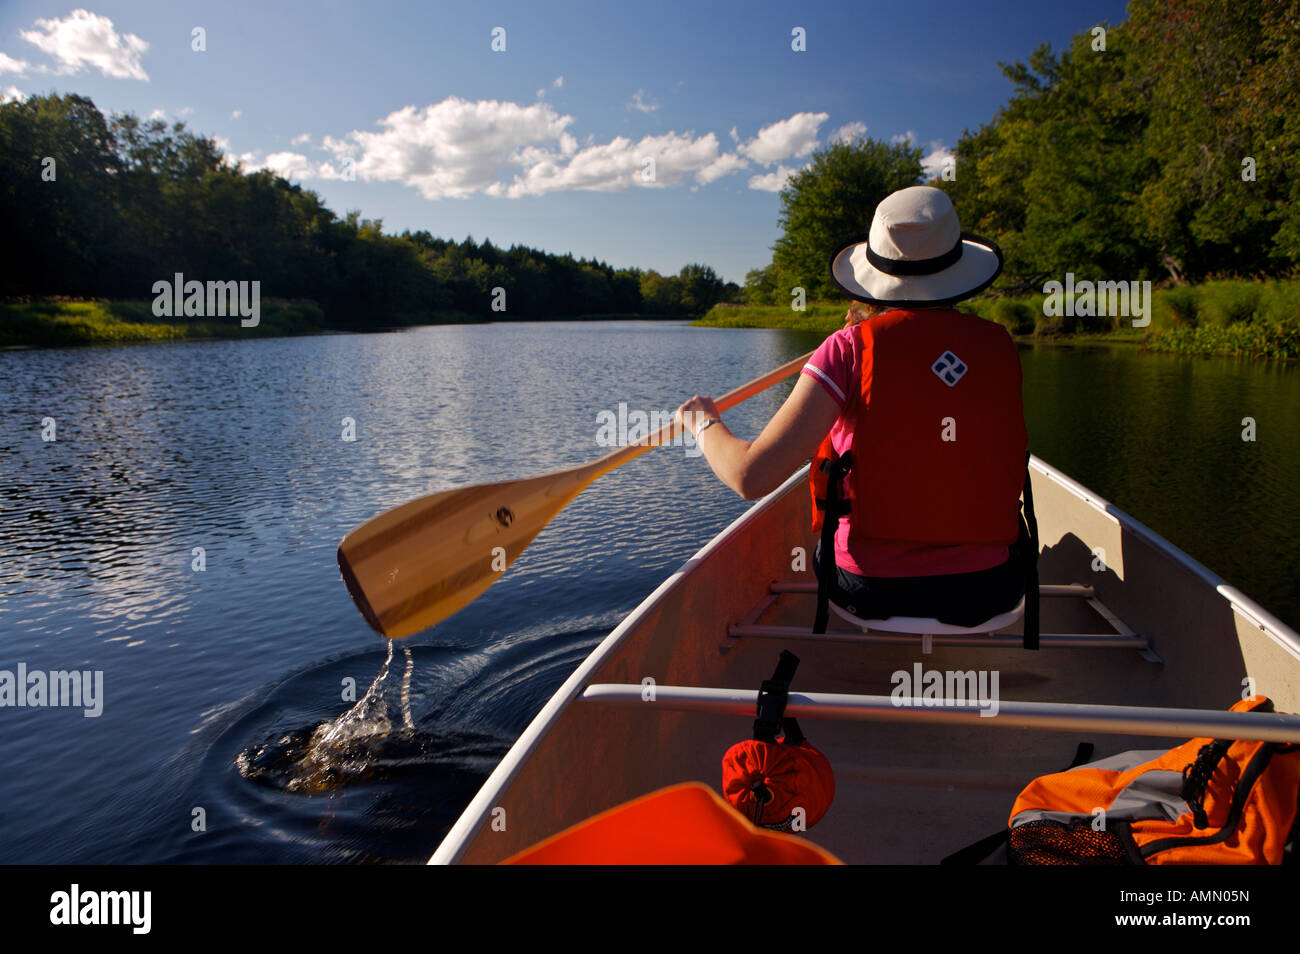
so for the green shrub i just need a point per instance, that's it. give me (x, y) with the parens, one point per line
(1176, 308)
(1226, 303)
(1015, 315)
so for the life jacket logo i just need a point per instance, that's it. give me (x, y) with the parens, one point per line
(949, 368)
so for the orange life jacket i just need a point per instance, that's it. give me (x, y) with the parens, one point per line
(939, 435)
(684, 824)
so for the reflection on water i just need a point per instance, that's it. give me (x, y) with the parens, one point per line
(180, 533)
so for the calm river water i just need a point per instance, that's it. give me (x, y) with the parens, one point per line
(236, 447)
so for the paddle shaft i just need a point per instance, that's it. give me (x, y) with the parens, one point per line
(669, 431)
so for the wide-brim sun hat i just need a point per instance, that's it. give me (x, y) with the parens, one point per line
(915, 254)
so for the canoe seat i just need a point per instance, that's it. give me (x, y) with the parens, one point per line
(928, 625)
(902, 630)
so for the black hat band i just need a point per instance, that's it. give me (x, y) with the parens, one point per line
(920, 266)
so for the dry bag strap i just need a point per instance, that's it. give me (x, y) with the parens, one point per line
(833, 508)
(1196, 776)
(1249, 776)
(1029, 555)
(773, 696)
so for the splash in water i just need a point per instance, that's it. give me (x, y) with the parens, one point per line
(359, 744)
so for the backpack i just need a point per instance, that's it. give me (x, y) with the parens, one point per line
(1208, 801)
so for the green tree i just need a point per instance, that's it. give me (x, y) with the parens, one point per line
(59, 170)
(701, 288)
(760, 286)
(1222, 78)
(831, 200)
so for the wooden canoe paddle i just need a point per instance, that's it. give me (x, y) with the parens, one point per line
(413, 566)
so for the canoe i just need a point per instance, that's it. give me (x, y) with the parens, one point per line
(1142, 648)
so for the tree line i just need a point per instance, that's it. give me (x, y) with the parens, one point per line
(1164, 148)
(103, 207)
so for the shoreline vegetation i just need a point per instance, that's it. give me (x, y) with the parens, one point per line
(1252, 319)
(67, 323)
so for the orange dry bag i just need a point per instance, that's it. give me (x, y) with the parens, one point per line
(786, 785)
(1209, 801)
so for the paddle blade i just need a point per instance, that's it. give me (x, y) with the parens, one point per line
(413, 566)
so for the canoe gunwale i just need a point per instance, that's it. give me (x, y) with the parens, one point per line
(1283, 635)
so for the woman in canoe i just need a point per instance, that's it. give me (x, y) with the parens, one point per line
(921, 405)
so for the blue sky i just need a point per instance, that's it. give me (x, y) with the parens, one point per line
(404, 111)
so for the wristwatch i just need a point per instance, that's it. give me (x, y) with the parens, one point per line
(709, 423)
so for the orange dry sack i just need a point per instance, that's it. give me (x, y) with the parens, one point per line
(1209, 801)
(784, 785)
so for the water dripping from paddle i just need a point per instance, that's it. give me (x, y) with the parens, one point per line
(372, 739)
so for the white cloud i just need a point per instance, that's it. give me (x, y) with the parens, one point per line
(158, 114)
(908, 137)
(849, 132)
(9, 65)
(247, 159)
(772, 181)
(84, 39)
(558, 82)
(724, 165)
(184, 110)
(457, 148)
(735, 136)
(291, 165)
(12, 94)
(932, 163)
(614, 166)
(641, 104)
(326, 170)
(300, 139)
(796, 136)
(222, 143)
(236, 113)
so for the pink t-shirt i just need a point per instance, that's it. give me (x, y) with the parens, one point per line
(835, 366)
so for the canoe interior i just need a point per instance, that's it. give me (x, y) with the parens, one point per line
(905, 793)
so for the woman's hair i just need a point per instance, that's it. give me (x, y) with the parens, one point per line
(869, 311)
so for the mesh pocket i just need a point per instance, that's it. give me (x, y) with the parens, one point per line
(1049, 842)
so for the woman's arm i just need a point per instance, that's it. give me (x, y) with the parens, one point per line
(755, 468)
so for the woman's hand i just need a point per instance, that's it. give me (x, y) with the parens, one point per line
(754, 468)
(695, 412)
